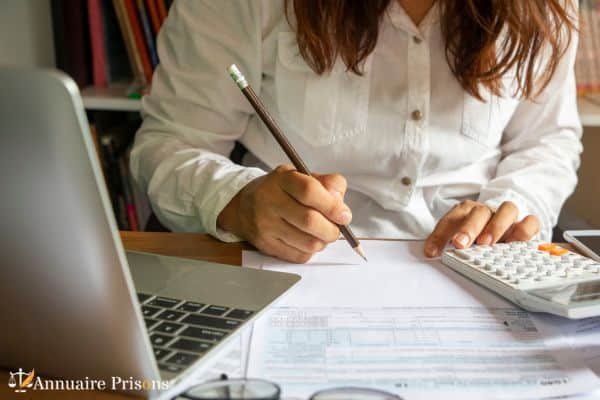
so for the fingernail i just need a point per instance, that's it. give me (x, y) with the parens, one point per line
(431, 250)
(485, 239)
(462, 239)
(337, 194)
(345, 217)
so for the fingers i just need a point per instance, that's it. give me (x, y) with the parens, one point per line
(310, 192)
(446, 228)
(501, 222)
(310, 221)
(472, 226)
(277, 248)
(335, 183)
(524, 230)
(298, 239)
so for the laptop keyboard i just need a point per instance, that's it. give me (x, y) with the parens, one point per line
(182, 331)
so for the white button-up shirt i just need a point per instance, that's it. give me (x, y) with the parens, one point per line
(409, 139)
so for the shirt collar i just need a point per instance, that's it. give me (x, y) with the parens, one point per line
(400, 19)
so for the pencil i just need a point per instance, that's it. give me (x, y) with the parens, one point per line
(287, 147)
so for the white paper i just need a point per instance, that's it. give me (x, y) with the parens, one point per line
(581, 335)
(409, 325)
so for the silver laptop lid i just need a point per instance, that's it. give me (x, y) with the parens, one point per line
(67, 295)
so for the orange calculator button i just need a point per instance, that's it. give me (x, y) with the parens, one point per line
(546, 247)
(558, 251)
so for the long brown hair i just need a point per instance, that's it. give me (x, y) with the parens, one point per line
(484, 39)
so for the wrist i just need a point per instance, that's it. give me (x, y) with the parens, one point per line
(228, 217)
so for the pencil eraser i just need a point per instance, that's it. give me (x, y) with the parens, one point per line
(237, 76)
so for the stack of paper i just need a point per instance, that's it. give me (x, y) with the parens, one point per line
(407, 325)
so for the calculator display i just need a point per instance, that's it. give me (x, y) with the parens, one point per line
(570, 295)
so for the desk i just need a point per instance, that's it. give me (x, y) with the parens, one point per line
(188, 245)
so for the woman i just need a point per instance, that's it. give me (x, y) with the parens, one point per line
(451, 120)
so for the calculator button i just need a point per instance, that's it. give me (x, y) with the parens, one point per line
(464, 254)
(545, 246)
(566, 263)
(559, 251)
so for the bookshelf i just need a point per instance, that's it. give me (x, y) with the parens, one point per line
(589, 110)
(109, 99)
(114, 99)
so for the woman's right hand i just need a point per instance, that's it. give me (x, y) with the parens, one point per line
(287, 214)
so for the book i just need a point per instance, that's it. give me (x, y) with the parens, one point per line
(130, 207)
(162, 10)
(145, 23)
(130, 44)
(99, 58)
(119, 69)
(113, 181)
(138, 35)
(152, 8)
(71, 39)
(587, 64)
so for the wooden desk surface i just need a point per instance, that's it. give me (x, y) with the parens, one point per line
(188, 245)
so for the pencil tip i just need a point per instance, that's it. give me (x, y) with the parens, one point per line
(360, 252)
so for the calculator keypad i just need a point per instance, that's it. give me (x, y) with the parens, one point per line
(528, 265)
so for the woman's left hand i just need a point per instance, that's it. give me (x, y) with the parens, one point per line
(473, 222)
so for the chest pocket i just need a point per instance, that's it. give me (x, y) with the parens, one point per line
(485, 121)
(321, 109)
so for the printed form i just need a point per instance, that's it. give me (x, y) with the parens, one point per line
(408, 325)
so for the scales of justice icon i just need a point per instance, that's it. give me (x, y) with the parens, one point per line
(25, 380)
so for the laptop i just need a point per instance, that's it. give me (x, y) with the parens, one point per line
(73, 303)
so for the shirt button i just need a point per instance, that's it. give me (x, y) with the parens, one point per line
(416, 115)
(417, 40)
(406, 181)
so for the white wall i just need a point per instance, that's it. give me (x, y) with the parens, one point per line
(26, 33)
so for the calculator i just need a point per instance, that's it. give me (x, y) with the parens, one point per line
(536, 276)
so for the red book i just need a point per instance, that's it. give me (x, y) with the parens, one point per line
(154, 16)
(139, 38)
(162, 10)
(99, 59)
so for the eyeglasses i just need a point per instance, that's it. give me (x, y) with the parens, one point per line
(258, 389)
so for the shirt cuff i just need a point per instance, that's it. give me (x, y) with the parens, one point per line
(545, 233)
(223, 197)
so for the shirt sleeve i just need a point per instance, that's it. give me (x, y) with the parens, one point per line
(541, 150)
(195, 112)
